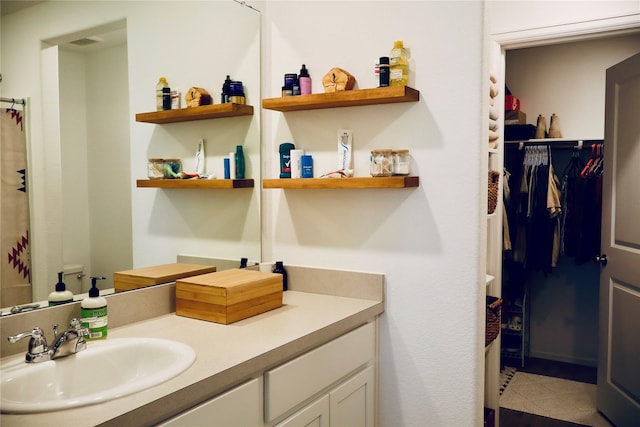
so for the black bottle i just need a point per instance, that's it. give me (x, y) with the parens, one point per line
(166, 98)
(384, 71)
(243, 263)
(279, 268)
(226, 91)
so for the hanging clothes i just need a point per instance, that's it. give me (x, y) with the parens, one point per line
(535, 210)
(582, 189)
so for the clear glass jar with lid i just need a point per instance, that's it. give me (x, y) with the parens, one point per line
(381, 162)
(172, 167)
(401, 162)
(155, 168)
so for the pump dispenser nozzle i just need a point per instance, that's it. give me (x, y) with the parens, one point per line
(94, 291)
(60, 286)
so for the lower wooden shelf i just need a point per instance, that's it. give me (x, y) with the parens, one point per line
(195, 183)
(364, 182)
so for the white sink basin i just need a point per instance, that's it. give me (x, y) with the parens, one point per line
(106, 370)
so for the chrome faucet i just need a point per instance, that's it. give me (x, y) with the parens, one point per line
(69, 342)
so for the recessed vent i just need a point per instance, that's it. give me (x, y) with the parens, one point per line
(86, 41)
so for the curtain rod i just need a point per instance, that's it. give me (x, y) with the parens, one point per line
(19, 101)
(559, 143)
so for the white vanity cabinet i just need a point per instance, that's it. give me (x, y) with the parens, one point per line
(351, 404)
(338, 376)
(239, 407)
(331, 385)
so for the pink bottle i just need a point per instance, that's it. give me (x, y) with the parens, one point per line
(305, 81)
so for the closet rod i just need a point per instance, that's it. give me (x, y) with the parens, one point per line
(19, 101)
(556, 143)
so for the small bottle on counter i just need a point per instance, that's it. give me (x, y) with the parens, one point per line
(279, 269)
(93, 312)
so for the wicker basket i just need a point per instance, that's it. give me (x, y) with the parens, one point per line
(492, 201)
(492, 328)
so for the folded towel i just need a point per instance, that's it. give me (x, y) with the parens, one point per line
(494, 113)
(493, 90)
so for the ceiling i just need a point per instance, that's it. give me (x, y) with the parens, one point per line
(7, 7)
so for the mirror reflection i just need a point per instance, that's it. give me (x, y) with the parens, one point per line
(86, 150)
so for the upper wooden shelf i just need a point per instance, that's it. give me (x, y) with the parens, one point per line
(364, 182)
(348, 98)
(215, 111)
(195, 183)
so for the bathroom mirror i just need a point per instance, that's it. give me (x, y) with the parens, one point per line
(86, 150)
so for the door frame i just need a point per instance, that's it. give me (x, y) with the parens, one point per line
(551, 35)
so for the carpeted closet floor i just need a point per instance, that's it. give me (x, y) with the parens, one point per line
(531, 397)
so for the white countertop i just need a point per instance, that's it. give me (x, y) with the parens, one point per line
(227, 355)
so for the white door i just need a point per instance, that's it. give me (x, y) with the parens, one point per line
(619, 335)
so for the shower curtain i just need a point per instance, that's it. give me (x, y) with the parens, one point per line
(15, 262)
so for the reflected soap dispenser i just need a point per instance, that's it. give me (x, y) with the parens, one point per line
(61, 295)
(93, 311)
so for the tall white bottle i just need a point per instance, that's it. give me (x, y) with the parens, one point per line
(93, 312)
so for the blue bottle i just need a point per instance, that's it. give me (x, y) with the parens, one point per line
(239, 162)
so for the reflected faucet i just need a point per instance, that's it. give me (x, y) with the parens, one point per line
(69, 342)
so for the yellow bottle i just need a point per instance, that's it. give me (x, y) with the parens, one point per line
(399, 65)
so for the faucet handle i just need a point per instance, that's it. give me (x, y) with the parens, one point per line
(76, 325)
(38, 348)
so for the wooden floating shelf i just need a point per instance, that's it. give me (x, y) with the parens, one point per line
(348, 98)
(215, 111)
(365, 182)
(195, 183)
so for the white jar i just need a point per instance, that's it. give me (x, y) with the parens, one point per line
(401, 162)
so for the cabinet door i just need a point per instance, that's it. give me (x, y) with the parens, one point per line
(239, 407)
(302, 378)
(313, 415)
(352, 404)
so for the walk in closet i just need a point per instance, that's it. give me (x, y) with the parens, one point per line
(550, 308)
(552, 202)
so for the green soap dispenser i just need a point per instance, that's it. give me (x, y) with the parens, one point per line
(93, 312)
(61, 295)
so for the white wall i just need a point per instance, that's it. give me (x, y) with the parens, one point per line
(74, 171)
(569, 80)
(424, 240)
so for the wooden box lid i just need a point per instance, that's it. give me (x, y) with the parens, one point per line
(147, 276)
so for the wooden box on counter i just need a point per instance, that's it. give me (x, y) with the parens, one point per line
(228, 296)
(148, 276)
